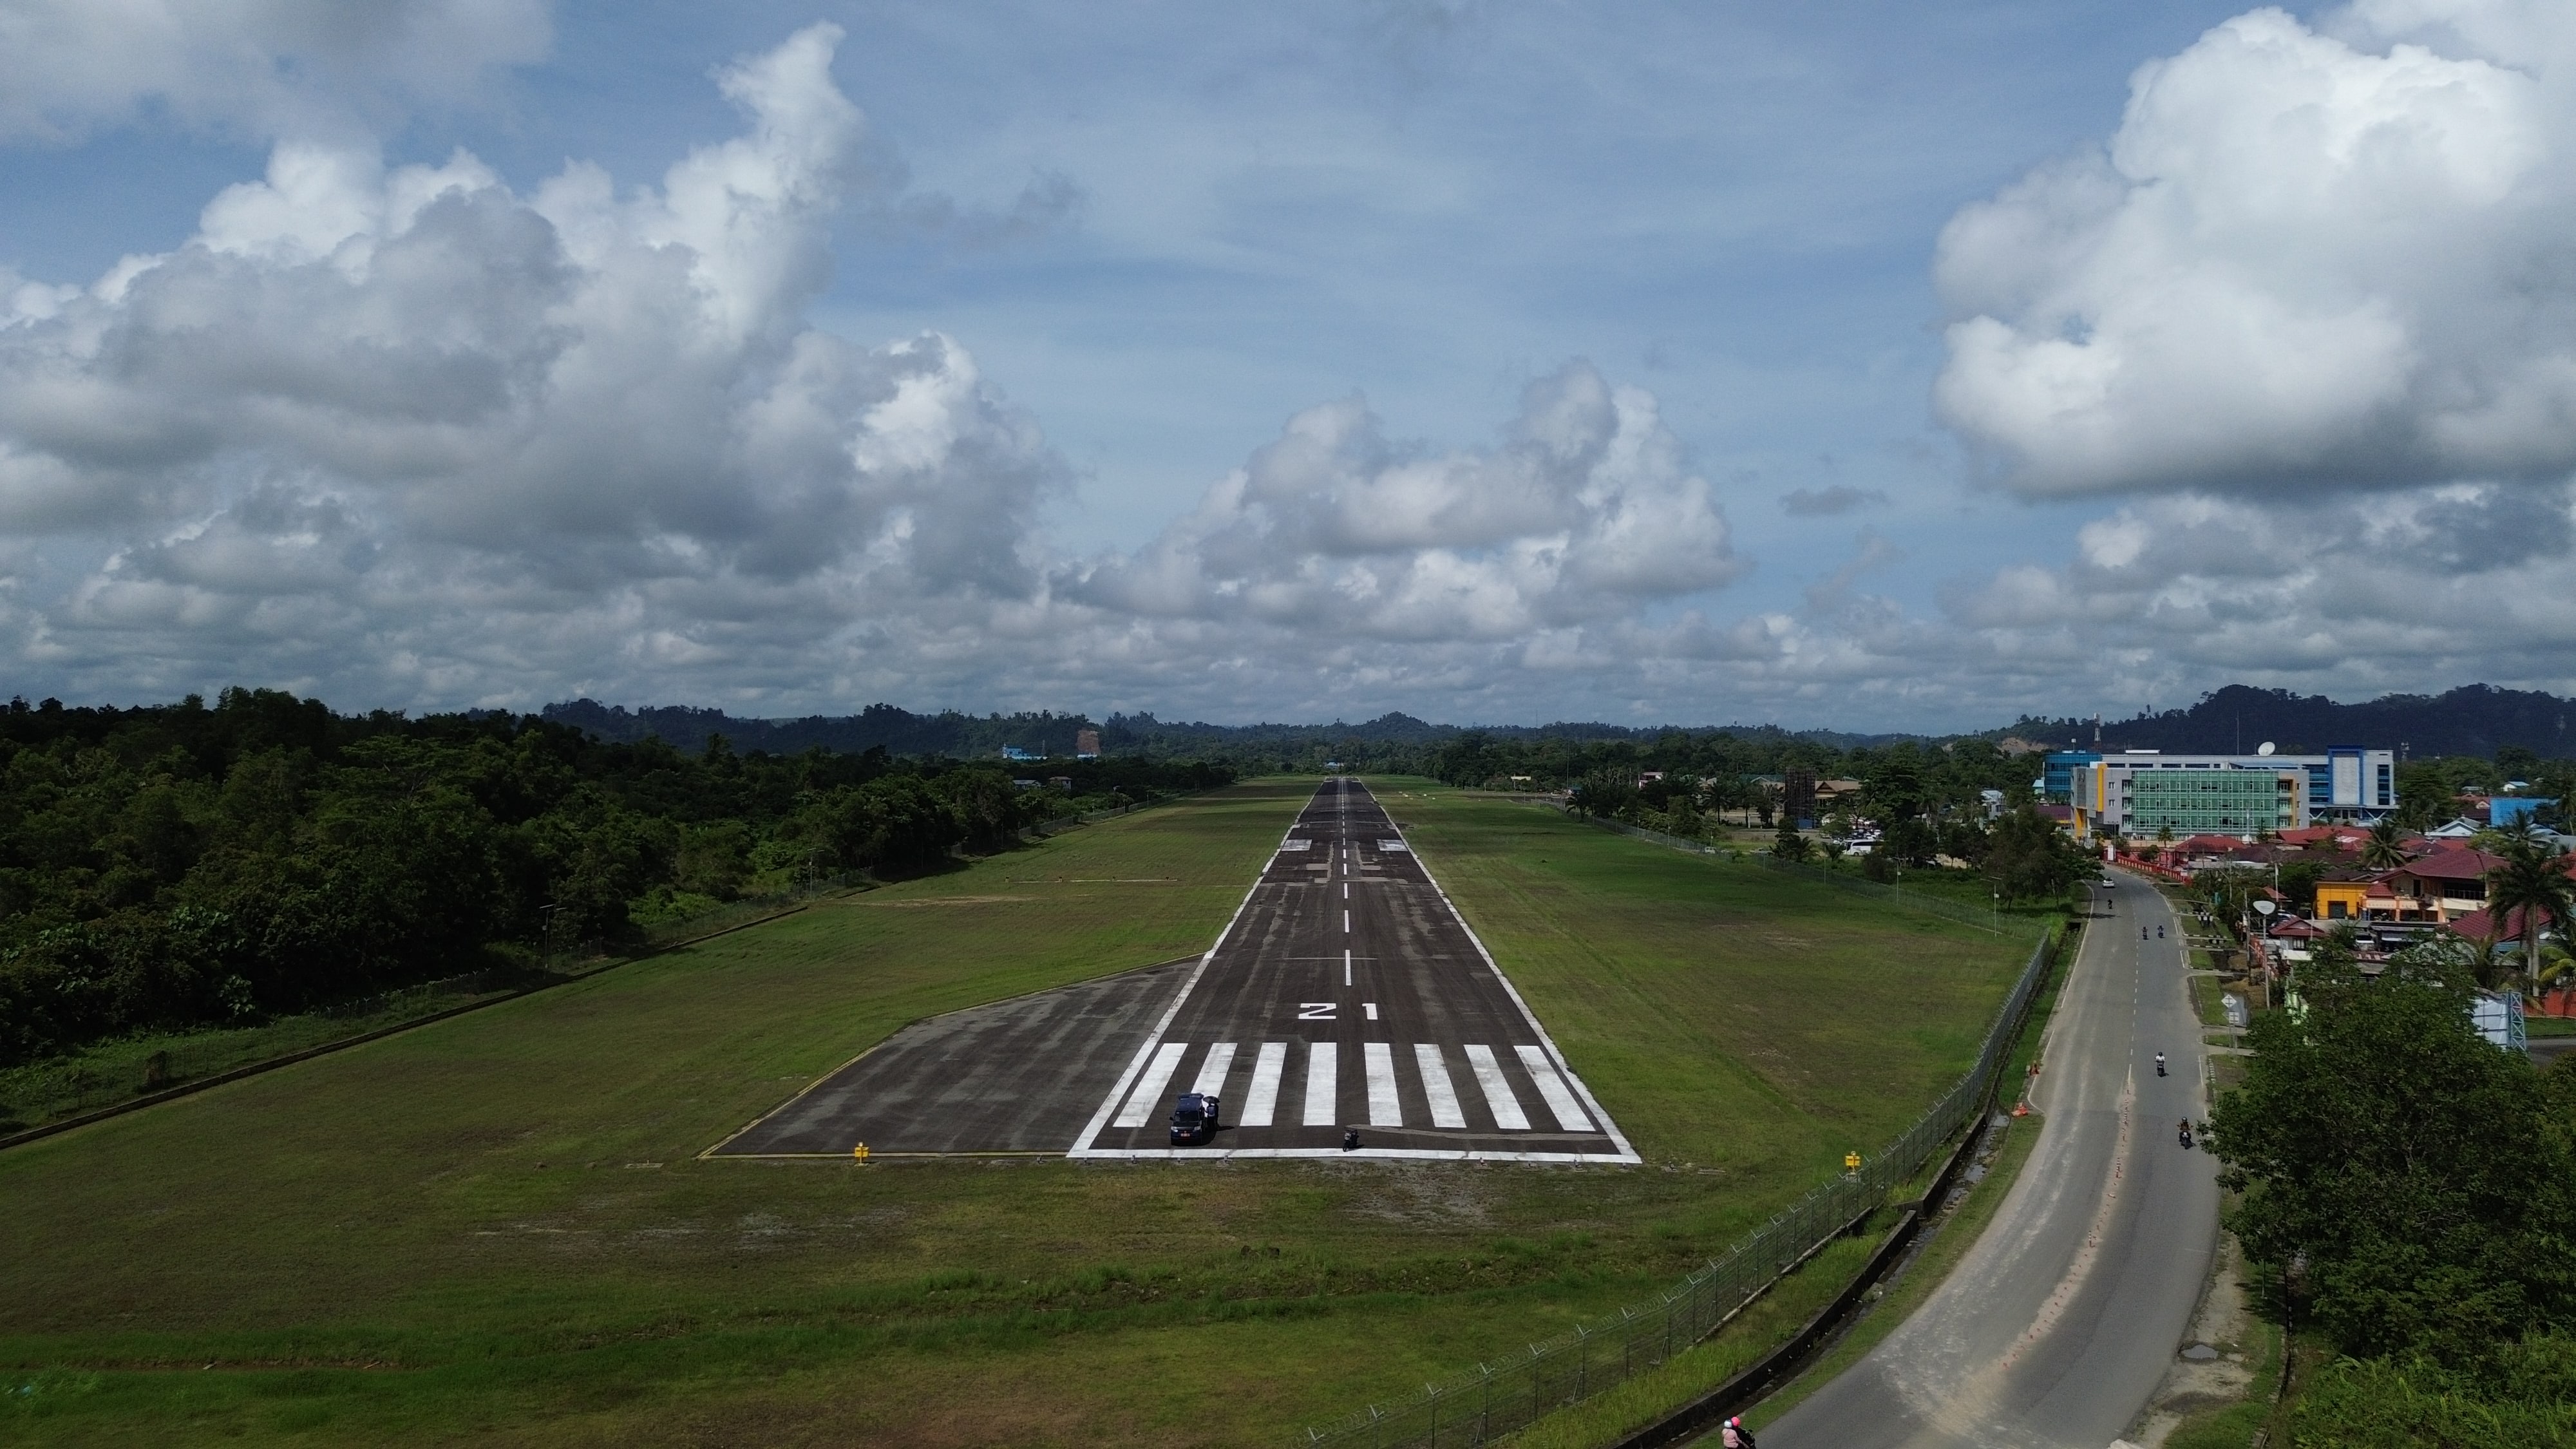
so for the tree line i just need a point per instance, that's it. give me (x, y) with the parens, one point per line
(2410, 1191)
(176, 865)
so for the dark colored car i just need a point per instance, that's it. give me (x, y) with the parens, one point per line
(1194, 1120)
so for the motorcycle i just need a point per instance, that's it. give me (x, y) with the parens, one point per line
(2160, 933)
(2186, 1135)
(2160, 1064)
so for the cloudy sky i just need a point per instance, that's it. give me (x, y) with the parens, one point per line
(1868, 365)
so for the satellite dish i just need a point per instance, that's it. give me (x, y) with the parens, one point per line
(2264, 748)
(2264, 908)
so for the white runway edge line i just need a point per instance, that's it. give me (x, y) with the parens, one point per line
(1145, 1048)
(1261, 1101)
(1609, 1128)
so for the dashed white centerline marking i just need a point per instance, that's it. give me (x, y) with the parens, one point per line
(1435, 1085)
(1323, 1070)
(1149, 1087)
(1346, 920)
(1346, 968)
(1498, 1089)
(1372, 1010)
(1384, 1110)
(1261, 1101)
(1569, 1113)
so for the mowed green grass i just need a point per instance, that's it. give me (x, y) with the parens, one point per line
(496, 1228)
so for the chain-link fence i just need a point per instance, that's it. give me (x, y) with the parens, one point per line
(1495, 1399)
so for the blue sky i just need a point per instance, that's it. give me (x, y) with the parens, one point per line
(1874, 366)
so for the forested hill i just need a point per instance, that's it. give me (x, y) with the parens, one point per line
(2474, 719)
(966, 736)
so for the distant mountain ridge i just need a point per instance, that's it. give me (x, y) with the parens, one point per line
(2474, 719)
(951, 732)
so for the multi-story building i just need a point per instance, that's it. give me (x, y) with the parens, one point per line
(2144, 792)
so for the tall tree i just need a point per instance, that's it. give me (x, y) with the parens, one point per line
(2530, 877)
(2384, 848)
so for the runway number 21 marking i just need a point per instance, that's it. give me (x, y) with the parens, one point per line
(1315, 1011)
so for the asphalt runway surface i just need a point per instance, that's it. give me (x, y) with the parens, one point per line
(2058, 1325)
(1345, 995)
(1011, 1077)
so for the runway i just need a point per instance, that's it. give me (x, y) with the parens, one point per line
(1348, 994)
(1345, 994)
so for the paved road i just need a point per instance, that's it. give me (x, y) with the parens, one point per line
(1347, 993)
(2060, 1322)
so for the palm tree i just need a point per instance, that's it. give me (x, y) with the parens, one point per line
(2384, 848)
(2530, 878)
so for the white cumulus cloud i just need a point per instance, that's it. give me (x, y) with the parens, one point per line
(2338, 255)
(266, 67)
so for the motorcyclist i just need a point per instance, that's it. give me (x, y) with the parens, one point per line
(2160, 1064)
(1735, 1435)
(2160, 933)
(2186, 1132)
(2142, 933)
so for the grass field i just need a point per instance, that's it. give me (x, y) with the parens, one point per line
(496, 1227)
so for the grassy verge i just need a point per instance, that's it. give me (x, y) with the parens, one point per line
(496, 1226)
(2543, 1026)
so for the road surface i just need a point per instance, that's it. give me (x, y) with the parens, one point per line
(2057, 1326)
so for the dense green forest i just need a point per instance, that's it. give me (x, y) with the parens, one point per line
(173, 865)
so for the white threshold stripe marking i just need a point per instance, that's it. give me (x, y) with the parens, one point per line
(1569, 1113)
(1435, 1085)
(1261, 1100)
(1323, 1070)
(1149, 1087)
(1498, 1089)
(1211, 1082)
(1384, 1109)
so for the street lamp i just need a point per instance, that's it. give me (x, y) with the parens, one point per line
(546, 936)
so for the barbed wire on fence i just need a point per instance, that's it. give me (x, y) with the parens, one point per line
(1474, 1407)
